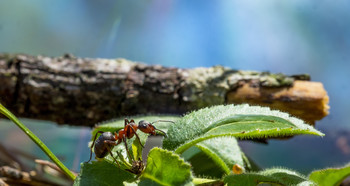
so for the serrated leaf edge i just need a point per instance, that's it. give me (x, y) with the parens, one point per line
(257, 133)
(268, 173)
(323, 171)
(237, 111)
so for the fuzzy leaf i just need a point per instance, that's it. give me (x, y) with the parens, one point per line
(219, 154)
(224, 151)
(101, 173)
(330, 176)
(203, 165)
(272, 176)
(241, 121)
(165, 168)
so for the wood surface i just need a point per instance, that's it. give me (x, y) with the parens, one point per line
(81, 91)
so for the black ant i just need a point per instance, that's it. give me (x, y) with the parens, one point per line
(106, 141)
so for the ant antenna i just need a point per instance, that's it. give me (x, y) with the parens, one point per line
(163, 121)
(164, 133)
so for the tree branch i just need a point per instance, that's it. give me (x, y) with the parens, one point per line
(77, 91)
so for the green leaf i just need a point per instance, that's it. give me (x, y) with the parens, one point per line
(203, 165)
(330, 176)
(224, 151)
(137, 150)
(219, 154)
(102, 173)
(272, 176)
(241, 121)
(206, 181)
(165, 168)
(37, 141)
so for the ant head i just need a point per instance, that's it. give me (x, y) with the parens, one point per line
(143, 124)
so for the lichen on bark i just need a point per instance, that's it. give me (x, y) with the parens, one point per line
(209, 86)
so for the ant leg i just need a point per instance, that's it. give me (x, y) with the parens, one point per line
(154, 129)
(121, 157)
(99, 132)
(159, 129)
(130, 171)
(127, 149)
(137, 136)
(162, 121)
(126, 121)
(110, 151)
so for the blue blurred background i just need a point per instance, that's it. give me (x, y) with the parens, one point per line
(290, 37)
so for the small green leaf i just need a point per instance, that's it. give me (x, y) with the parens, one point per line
(137, 150)
(223, 152)
(330, 176)
(165, 168)
(102, 173)
(203, 165)
(272, 176)
(241, 121)
(206, 181)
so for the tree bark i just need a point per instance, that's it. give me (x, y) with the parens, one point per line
(77, 91)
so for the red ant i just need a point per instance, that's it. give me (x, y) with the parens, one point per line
(106, 141)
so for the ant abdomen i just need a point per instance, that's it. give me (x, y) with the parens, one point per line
(101, 148)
